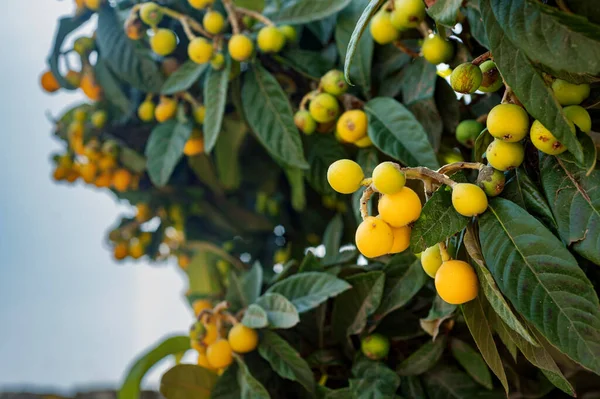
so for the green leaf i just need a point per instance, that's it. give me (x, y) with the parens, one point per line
(373, 380)
(245, 290)
(491, 290)
(587, 8)
(285, 361)
(438, 221)
(423, 358)
(310, 263)
(203, 168)
(550, 31)
(256, 5)
(164, 150)
(356, 36)
(411, 387)
(542, 280)
(295, 179)
(418, 81)
(227, 153)
(439, 312)
(281, 313)
(255, 317)
(132, 160)
(168, 346)
(476, 26)
(575, 202)
(472, 362)
(451, 383)
(215, 98)
(121, 55)
(251, 388)
(445, 11)
(227, 385)
(396, 132)
(359, 71)
(294, 12)
(527, 82)
(426, 113)
(352, 308)
(590, 153)
(310, 63)
(481, 144)
(308, 290)
(111, 87)
(476, 320)
(323, 150)
(186, 381)
(270, 116)
(447, 106)
(332, 237)
(183, 78)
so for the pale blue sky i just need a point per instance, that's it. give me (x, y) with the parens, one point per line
(69, 315)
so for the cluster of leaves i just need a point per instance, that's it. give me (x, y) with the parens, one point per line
(536, 250)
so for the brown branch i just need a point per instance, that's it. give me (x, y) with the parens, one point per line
(483, 57)
(453, 167)
(402, 47)
(232, 16)
(255, 15)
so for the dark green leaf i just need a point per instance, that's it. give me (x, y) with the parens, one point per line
(440, 311)
(426, 112)
(447, 106)
(164, 150)
(227, 385)
(587, 8)
(285, 361)
(227, 152)
(204, 170)
(472, 362)
(111, 87)
(542, 280)
(309, 63)
(295, 178)
(132, 160)
(396, 132)
(323, 150)
(244, 290)
(281, 313)
(332, 237)
(255, 317)
(186, 381)
(310, 263)
(373, 380)
(270, 116)
(423, 358)
(296, 12)
(323, 28)
(251, 388)
(481, 144)
(411, 387)
(590, 153)
(445, 11)
(418, 81)
(215, 98)
(473, 15)
(256, 5)
(451, 383)
(184, 77)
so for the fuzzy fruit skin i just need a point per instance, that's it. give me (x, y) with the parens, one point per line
(213, 22)
(219, 354)
(508, 122)
(270, 40)
(49, 82)
(579, 116)
(466, 78)
(431, 260)
(201, 4)
(163, 42)
(492, 181)
(381, 28)
(387, 178)
(334, 83)
(375, 346)
(165, 110)
(401, 239)
(401, 208)
(408, 14)
(467, 132)
(469, 199)
(200, 50)
(242, 339)
(568, 93)
(240, 47)
(437, 50)
(544, 140)
(290, 33)
(505, 156)
(456, 282)
(374, 237)
(151, 13)
(352, 125)
(146, 111)
(304, 122)
(345, 176)
(324, 108)
(492, 80)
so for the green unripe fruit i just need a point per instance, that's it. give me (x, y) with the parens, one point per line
(99, 119)
(431, 260)
(290, 33)
(381, 28)
(197, 331)
(568, 93)
(504, 156)
(408, 14)
(492, 181)
(334, 83)
(151, 13)
(508, 122)
(492, 80)
(467, 132)
(450, 156)
(110, 147)
(80, 115)
(217, 61)
(84, 45)
(305, 122)
(270, 39)
(466, 78)
(579, 116)
(375, 346)
(324, 108)
(436, 50)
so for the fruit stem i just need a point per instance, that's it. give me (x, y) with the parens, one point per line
(423, 173)
(444, 251)
(424, 29)
(229, 317)
(366, 182)
(255, 15)
(190, 99)
(444, 170)
(402, 47)
(483, 57)
(203, 313)
(188, 23)
(364, 201)
(307, 97)
(351, 102)
(232, 16)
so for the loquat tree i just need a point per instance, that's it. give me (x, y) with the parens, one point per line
(371, 199)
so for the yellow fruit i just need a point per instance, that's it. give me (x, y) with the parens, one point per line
(200, 50)
(120, 251)
(217, 62)
(352, 125)
(388, 178)
(203, 360)
(374, 237)
(401, 239)
(49, 82)
(508, 122)
(381, 28)
(88, 171)
(242, 339)
(145, 238)
(219, 354)
(211, 334)
(469, 199)
(74, 78)
(364, 142)
(504, 156)
(151, 13)
(60, 173)
(579, 116)
(80, 115)
(401, 208)
(195, 144)
(304, 122)
(568, 93)
(201, 304)
(146, 111)
(345, 176)
(90, 87)
(456, 282)
(163, 42)
(270, 39)
(99, 119)
(436, 49)
(289, 32)
(136, 249)
(143, 212)
(408, 14)
(93, 5)
(199, 113)
(107, 162)
(103, 180)
(334, 83)
(324, 108)
(72, 175)
(121, 180)
(240, 47)
(544, 140)
(431, 260)
(200, 4)
(165, 110)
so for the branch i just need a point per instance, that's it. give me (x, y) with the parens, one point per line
(402, 47)
(483, 57)
(255, 15)
(453, 167)
(232, 16)
(364, 200)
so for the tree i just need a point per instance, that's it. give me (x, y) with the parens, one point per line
(423, 221)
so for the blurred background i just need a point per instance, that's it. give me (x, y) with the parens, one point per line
(71, 318)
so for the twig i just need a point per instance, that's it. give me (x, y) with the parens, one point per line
(482, 118)
(188, 21)
(255, 15)
(364, 200)
(190, 99)
(421, 172)
(402, 47)
(350, 101)
(483, 57)
(232, 16)
(444, 170)
(561, 4)
(307, 97)
(186, 28)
